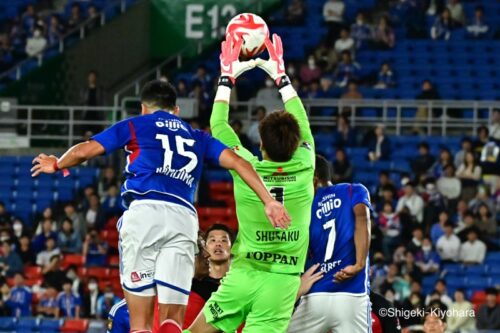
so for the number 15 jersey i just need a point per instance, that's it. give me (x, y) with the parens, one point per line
(331, 233)
(164, 156)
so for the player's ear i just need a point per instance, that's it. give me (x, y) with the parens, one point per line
(144, 109)
(176, 110)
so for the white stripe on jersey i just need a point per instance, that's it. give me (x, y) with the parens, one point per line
(115, 307)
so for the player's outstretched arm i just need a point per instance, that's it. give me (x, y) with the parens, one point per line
(275, 211)
(361, 242)
(307, 280)
(74, 156)
(275, 67)
(231, 68)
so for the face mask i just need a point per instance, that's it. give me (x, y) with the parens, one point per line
(359, 22)
(71, 275)
(311, 62)
(108, 295)
(37, 33)
(4, 238)
(291, 70)
(18, 229)
(414, 300)
(426, 248)
(269, 83)
(92, 286)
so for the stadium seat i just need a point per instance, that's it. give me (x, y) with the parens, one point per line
(475, 270)
(7, 323)
(75, 326)
(27, 324)
(477, 282)
(32, 272)
(98, 272)
(50, 325)
(73, 259)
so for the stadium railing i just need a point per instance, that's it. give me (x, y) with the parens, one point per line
(21, 68)
(66, 123)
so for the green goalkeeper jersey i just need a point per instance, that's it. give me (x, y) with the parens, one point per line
(259, 245)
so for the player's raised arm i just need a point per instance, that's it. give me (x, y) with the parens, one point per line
(275, 67)
(231, 68)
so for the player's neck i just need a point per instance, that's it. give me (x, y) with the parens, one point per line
(218, 270)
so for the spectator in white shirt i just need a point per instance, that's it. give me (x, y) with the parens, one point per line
(441, 292)
(456, 11)
(333, 14)
(478, 28)
(495, 125)
(253, 130)
(448, 184)
(457, 323)
(345, 42)
(43, 258)
(448, 245)
(412, 201)
(473, 251)
(35, 44)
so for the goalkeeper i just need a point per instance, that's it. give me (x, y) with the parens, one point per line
(262, 283)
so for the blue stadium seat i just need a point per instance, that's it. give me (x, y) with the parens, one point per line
(27, 324)
(475, 270)
(493, 258)
(453, 269)
(477, 282)
(50, 325)
(64, 194)
(455, 281)
(7, 323)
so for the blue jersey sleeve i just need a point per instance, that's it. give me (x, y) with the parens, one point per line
(116, 136)
(214, 147)
(360, 195)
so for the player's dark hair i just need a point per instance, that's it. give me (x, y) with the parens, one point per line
(219, 226)
(280, 135)
(323, 169)
(159, 93)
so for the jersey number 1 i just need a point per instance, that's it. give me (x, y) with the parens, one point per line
(331, 239)
(278, 193)
(180, 142)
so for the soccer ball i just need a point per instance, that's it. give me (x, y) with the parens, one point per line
(254, 31)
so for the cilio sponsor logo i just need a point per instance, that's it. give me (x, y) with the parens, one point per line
(327, 206)
(142, 275)
(172, 124)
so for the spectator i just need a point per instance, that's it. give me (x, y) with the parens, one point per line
(94, 249)
(482, 138)
(414, 302)
(182, 90)
(346, 71)
(55, 30)
(478, 27)
(92, 95)
(92, 18)
(395, 282)
(351, 92)
(473, 251)
(385, 191)
(10, 262)
(90, 298)
(428, 92)
(494, 130)
(342, 169)
(416, 241)
(105, 302)
(383, 35)
(458, 218)
(482, 198)
(69, 240)
(412, 201)
(380, 150)
(53, 275)
(345, 43)
(409, 268)
(5, 218)
(326, 57)
(456, 11)
(108, 179)
(69, 302)
(442, 293)
(111, 203)
(468, 224)
(29, 19)
(456, 322)
(19, 298)
(25, 251)
(391, 228)
(460, 155)
(486, 222)
(94, 215)
(423, 162)
(48, 304)
(295, 12)
(253, 130)
(43, 258)
(333, 14)
(203, 77)
(488, 315)
(18, 229)
(76, 218)
(385, 77)
(360, 31)
(434, 322)
(469, 173)
(445, 158)
(7, 53)
(449, 185)
(237, 126)
(345, 135)
(269, 92)
(427, 259)
(47, 214)
(36, 44)
(314, 90)
(308, 72)
(448, 245)
(40, 241)
(75, 17)
(76, 282)
(437, 229)
(443, 26)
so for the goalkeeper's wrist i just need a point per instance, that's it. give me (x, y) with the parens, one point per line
(285, 88)
(223, 93)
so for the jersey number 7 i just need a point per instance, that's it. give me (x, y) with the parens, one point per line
(331, 239)
(180, 142)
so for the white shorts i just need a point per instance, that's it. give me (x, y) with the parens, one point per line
(157, 248)
(336, 313)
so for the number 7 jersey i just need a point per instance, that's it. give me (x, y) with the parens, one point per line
(164, 156)
(331, 232)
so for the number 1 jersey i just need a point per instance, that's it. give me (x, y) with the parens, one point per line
(164, 156)
(331, 242)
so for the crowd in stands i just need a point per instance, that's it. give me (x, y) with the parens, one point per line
(41, 26)
(37, 276)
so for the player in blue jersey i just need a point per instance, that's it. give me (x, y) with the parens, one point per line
(339, 243)
(158, 231)
(118, 318)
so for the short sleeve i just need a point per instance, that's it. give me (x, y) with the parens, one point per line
(116, 136)
(360, 195)
(78, 301)
(213, 147)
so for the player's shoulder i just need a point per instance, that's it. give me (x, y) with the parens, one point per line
(360, 188)
(118, 308)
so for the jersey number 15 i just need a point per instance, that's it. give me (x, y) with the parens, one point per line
(180, 142)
